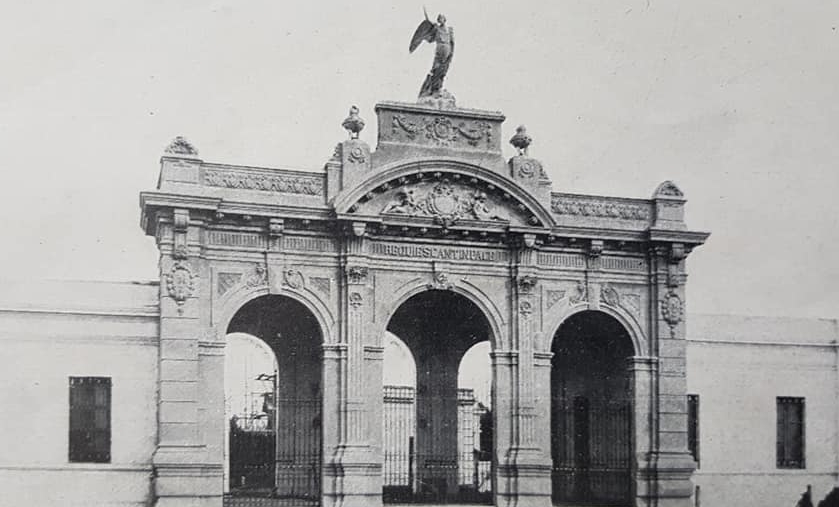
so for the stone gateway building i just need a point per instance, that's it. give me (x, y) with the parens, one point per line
(434, 237)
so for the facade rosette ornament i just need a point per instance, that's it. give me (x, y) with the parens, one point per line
(181, 148)
(180, 284)
(672, 311)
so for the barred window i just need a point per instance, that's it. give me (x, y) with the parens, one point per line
(90, 420)
(693, 427)
(790, 442)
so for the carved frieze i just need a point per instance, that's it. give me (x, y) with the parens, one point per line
(442, 131)
(236, 239)
(598, 208)
(180, 283)
(444, 202)
(253, 180)
(561, 260)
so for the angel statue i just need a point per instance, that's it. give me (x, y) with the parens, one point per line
(444, 37)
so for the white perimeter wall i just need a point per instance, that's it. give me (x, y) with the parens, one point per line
(738, 366)
(39, 350)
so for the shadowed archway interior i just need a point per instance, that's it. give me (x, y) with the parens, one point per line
(439, 327)
(591, 411)
(291, 468)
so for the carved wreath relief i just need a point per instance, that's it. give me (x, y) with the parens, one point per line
(180, 284)
(443, 202)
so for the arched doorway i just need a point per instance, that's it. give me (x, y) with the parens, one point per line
(438, 328)
(278, 457)
(591, 411)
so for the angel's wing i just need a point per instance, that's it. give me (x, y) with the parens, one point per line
(424, 32)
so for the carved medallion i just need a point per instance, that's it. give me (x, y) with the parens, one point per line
(357, 155)
(609, 295)
(672, 310)
(293, 278)
(180, 284)
(356, 299)
(526, 308)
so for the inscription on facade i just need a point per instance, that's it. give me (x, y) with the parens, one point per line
(439, 252)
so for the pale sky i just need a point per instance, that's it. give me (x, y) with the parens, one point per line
(734, 100)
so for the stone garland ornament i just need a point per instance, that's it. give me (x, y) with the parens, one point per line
(598, 208)
(180, 284)
(442, 131)
(444, 203)
(244, 180)
(672, 311)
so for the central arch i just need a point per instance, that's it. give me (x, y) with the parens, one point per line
(439, 327)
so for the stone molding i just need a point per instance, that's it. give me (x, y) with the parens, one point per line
(249, 178)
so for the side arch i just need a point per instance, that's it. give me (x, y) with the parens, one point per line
(349, 197)
(497, 324)
(554, 320)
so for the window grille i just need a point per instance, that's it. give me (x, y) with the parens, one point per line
(693, 427)
(90, 420)
(790, 441)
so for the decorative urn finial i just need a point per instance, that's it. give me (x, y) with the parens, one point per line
(353, 124)
(180, 147)
(521, 140)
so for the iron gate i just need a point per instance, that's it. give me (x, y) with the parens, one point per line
(281, 462)
(413, 476)
(592, 453)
